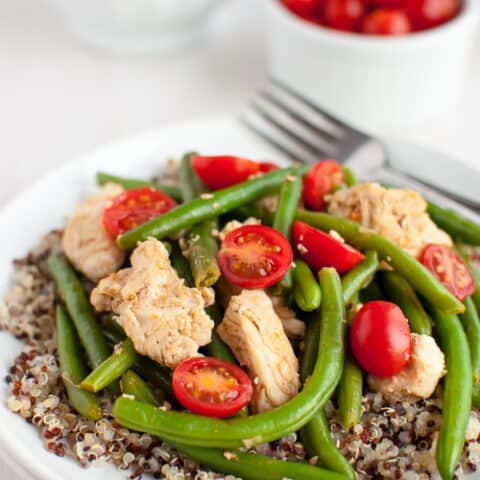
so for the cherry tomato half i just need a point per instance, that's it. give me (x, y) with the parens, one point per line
(380, 338)
(319, 249)
(386, 3)
(344, 15)
(450, 269)
(255, 256)
(134, 207)
(387, 21)
(321, 180)
(211, 387)
(430, 13)
(223, 171)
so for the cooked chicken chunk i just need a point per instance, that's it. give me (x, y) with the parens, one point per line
(397, 214)
(86, 243)
(255, 334)
(164, 318)
(293, 327)
(420, 376)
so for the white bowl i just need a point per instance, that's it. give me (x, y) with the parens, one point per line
(376, 83)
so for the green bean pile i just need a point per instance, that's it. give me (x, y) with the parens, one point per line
(328, 368)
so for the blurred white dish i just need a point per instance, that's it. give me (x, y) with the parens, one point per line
(140, 26)
(376, 83)
(47, 203)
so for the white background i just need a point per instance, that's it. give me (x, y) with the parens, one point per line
(59, 99)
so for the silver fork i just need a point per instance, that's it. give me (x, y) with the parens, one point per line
(305, 132)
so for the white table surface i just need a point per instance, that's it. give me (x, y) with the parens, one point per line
(59, 99)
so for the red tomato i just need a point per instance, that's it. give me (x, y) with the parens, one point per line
(266, 167)
(380, 338)
(386, 3)
(223, 171)
(211, 387)
(134, 207)
(430, 13)
(387, 21)
(450, 269)
(321, 180)
(304, 8)
(320, 250)
(343, 14)
(255, 256)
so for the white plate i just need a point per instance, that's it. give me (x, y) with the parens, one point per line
(44, 206)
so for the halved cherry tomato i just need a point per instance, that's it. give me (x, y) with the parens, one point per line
(266, 167)
(430, 13)
(223, 171)
(134, 207)
(386, 3)
(304, 8)
(255, 256)
(321, 180)
(387, 21)
(344, 15)
(211, 387)
(450, 269)
(380, 338)
(320, 250)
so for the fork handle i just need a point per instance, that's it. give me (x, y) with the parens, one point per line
(396, 178)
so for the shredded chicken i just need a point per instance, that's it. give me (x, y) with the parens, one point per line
(420, 376)
(164, 318)
(397, 214)
(86, 243)
(255, 334)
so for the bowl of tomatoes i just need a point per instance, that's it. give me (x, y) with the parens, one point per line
(378, 64)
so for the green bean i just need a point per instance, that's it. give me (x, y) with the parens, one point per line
(80, 309)
(202, 248)
(458, 227)
(144, 366)
(128, 183)
(457, 396)
(285, 214)
(72, 368)
(254, 467)
(316, 433)
(414, 272)
(202, 209)
(319, 443)
(349, 177)
(196, 430)
(306, 290)
(133, 384)
(349, 393)
(476, 396)
(399, 291)
(359, 276)
(112, 368)
(476, 275)
(471, 325)
(181, 265)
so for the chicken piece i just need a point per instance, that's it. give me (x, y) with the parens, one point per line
(164, 318)
(85, 241)
(397, 214)
(293, 327)
(255, 334)
(420, 376)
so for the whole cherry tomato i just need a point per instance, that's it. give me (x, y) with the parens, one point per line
(380, 338)
(344, 15)
(387, 21)
(431, 13)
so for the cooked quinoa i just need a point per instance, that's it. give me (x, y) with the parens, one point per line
(392, 441)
